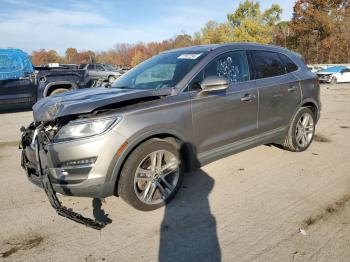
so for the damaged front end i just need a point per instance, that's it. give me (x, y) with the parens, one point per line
(34, 139)
(71, 147)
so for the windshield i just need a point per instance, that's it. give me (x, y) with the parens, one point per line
(162, 71)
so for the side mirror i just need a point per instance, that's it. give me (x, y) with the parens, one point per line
(214, 83)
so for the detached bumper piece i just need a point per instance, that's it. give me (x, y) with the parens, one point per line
(54, 201)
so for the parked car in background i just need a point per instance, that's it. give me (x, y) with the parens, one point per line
(16, 78)
(173, 113)
(315, 69)
(23, 84)
(334, 74)
(102, 71)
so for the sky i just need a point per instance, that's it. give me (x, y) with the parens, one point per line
(100, 24)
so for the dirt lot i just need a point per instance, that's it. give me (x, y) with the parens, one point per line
(250, 206)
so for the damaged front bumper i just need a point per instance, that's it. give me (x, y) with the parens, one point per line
(325, 78)
(46, 184)
(75, 168)
(69, 168)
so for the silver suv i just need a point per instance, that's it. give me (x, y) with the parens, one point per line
(102, 71)
(173, 113)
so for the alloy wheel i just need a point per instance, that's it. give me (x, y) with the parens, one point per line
(304, 130)
(156, 177)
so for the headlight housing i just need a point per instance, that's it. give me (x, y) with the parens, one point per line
(83, 128)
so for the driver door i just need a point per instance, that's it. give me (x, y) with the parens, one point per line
(222, 118)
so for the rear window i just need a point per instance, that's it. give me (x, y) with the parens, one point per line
(289, 64)
(267, 64)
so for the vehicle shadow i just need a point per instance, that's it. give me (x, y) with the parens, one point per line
(98, 213)
(188, 230)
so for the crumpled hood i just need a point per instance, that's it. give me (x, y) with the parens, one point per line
(87, 100)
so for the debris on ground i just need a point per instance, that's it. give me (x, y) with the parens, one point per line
(302, 231)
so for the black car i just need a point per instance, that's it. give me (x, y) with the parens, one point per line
(23, 84)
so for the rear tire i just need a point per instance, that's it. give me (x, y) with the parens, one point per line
(58, 91)
(301, 130)
(143, 183)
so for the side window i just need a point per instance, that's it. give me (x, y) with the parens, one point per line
(345, 71)
(288, 63)
(100, 68)
(267, 64)
(91, 67)
(232, 65)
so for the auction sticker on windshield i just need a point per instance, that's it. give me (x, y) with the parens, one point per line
(189, 56)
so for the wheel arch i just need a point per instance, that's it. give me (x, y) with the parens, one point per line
(187, 151)
(58, 84)
(312, 105)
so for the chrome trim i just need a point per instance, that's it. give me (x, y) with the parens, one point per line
(33, 143)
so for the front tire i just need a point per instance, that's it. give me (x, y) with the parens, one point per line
(301, 130)
(59, 91)
(151, 175)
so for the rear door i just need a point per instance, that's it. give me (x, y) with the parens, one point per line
(278, 88)
(92, 71)
(223, 117)
(100, 71)
(17, 91)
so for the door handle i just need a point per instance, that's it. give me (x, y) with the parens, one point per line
(292, 89)
(248, 98)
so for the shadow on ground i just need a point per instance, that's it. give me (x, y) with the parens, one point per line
(188, 230)
(99, 213)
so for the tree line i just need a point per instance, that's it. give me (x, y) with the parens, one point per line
(318, 30)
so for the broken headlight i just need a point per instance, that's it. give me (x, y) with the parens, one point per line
(82, 128)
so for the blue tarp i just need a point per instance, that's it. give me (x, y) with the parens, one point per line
(14, 63)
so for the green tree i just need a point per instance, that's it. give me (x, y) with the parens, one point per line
(182, 40)
(215, 33)
(250, 24)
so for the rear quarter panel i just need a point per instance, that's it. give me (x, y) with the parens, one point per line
(310, 89)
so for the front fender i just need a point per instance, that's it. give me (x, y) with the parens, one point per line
(133, 142)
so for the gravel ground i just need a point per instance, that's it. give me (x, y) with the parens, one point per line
(264, 204)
